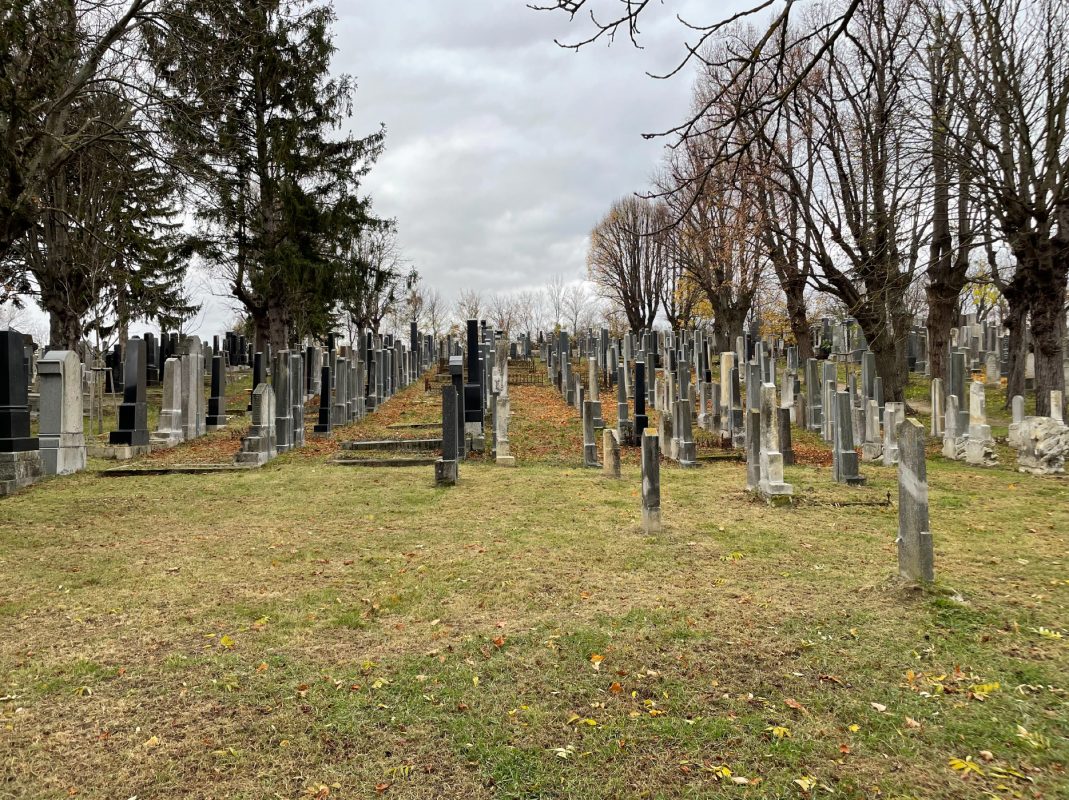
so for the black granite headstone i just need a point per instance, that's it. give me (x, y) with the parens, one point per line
(133, 412)
(14, 396)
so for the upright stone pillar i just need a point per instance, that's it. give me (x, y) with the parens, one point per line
(688, 449)
(1017, 406)
(445, 469)
(753, 449)
(280, 384)
(610, 453)
(297, 398)
(915, 551)
(938, 411)
(595, 392)
(642, 419)
(980, 445)
(785, 445)
(953, 440)
(194, 418)
(590, 446)
(62, 436)
(844, 456)
(169, 428)
(651, 484)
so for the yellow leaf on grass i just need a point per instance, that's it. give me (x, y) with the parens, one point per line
(150, 743)
(965, 766)
(806, 783)
(595, 660)
(475, 681)
(778, 732)
(227, 642)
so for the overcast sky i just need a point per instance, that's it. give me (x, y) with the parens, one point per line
(502, 148)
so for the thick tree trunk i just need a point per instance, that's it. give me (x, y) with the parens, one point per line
(1017, 323)
(278, 330)
(796, 317)
(1048, 328)
(64, 327)
(888, 348)
(942, 314)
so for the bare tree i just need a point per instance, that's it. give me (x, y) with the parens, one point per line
(469, 305)
(554, 292)
(627, 261)
(580, 308)
(435, 312)
(501, 311)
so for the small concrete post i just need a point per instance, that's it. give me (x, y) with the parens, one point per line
(915, 551)
(651, 484)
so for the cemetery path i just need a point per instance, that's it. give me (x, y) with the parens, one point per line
(543, 427)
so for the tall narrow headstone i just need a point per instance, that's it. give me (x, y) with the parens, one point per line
(133, 412)
(169, 428)
(259, 445)
(324, 426)
(610, 453)
(915, 551)
(217, 401)
(501, 432)
(446, 468)
(894, 414)
(280, 384)
(770, 459)
(844, 463)
(651, 484)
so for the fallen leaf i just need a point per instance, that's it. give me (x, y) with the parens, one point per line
(880, 707)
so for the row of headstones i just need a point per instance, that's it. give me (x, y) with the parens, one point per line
(476, 410)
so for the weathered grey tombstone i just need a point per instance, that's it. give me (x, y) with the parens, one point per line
(992, 371)
(169, 428)
(687, 448)
(595, 391)
(338, 405)
(938, 411)
(872, 446)
(844, 462)
(259, 445)
(753, 448)
(894, 414)
(445, 468)
(770, 484)
(980, 445)
(280, 384)
(785, 446)
(1017, 405)
(504, 454)
(651, 484)
(610, 453)
(953, 440)
(133, 412)
(216, 419)
(297, 397)
(915, 551)
(590, 445)
(1056, 403)
(62, 436)
(194, 418)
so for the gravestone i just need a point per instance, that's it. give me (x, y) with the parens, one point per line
(770, 483)
(651, 484)
(595, 392)
(446, 467)
(194, 418)
(590, 446)
(20, 458)
(297, 397)
(938, 411)
(753, 449)
(953, 440)
(1042, 446)
(337, 406)
(785, 446)
(133, 412)
(894, 414)
(280, 385)
(325, 426)
(642, 420)
(872, 446)
(1017, 405)
(844, 456)
(915, 550)
(610, 453)
(979, 445)
(169, 428)
(501, 432)
(259, 445)
(216, 420)
(62, 436)
(687, 449)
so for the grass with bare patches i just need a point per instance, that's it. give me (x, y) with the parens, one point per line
(306, 628)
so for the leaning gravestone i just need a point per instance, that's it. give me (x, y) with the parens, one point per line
(20, 459)
(133, 412)
(61, 433)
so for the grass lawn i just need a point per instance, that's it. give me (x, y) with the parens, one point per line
(306, 630)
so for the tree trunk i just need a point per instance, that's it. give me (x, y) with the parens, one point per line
(1017, 323)
(64, 327)
(1048, 325)
(796, 317)
(278, 332)
(942, 314)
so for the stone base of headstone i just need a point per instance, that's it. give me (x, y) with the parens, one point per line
(117, 452)
(63, 454)
(610, 447)
(590, 456)
(599, 423)
(19, 470)
(445, 472)
(505, 461)
(212, 427)
(651, 520)
(473, 432)
(631, 432)
(687, 453)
